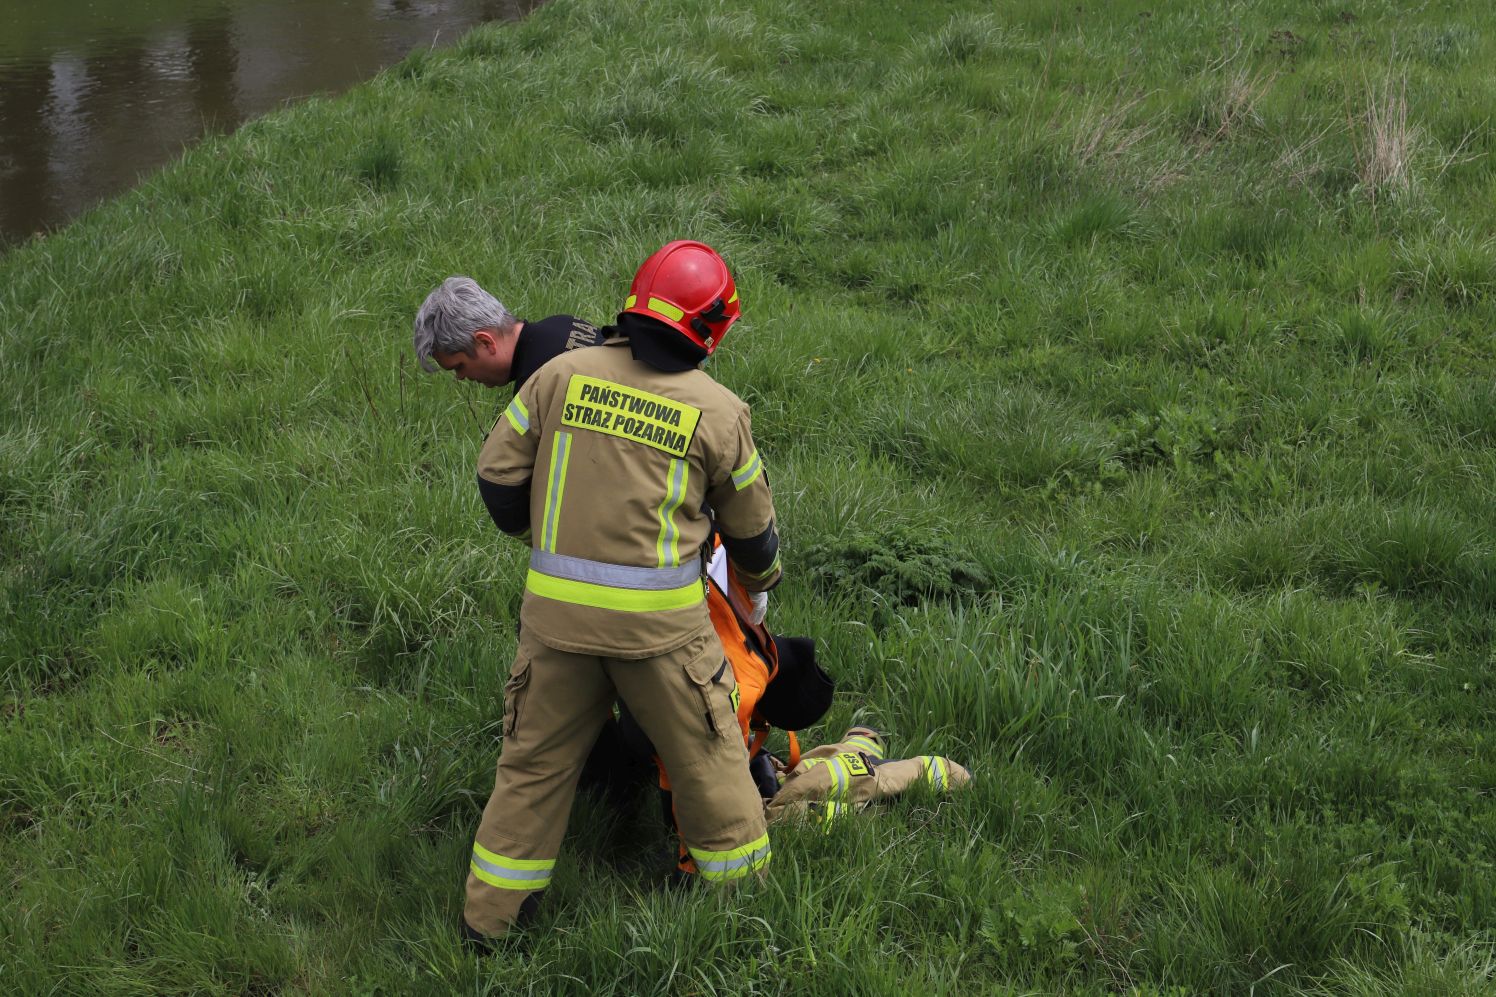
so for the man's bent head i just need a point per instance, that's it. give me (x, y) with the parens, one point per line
(462, 328)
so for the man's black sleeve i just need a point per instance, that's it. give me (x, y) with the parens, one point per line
(508, 506)
(756, 558)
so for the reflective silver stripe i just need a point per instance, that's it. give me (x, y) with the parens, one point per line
(935, 771)
(838, 778)
(750, 860)
(519, 418)
(744, 476)
(619, 576)
(504, 872)
(668, 546)
(560, 454)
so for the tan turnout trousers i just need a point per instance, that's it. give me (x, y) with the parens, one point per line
(555, 704)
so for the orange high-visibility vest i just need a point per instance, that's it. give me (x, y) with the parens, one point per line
(751, 652)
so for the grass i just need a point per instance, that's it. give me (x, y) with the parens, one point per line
(1125, 374)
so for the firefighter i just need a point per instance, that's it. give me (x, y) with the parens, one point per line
(834, 780)
(603, 462)
(462, 328)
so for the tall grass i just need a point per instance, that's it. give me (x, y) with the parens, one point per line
(1124, 374)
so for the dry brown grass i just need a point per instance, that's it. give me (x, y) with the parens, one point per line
(1236, 102)
(1233, 91)
(1385, 140)
(1103, 133)
(1105, 137)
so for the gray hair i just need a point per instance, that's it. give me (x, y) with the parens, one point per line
(451, 314)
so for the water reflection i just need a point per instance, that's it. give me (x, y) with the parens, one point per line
(84, 115)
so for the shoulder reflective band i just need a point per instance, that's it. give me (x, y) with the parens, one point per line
(865, 744)
(716, 867)
(937, 771)
(668, 546)
(505, 873)
(748, 473)
(629, 414)
(518, 416)
(560, 454)
(840, 767)
(833, 772)
(613, 586)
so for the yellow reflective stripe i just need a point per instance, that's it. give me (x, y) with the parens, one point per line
(560, 454)
(734, 863)
(838, 788)
(506, 861)
(518, 416)
(668, 546)
(609, 597)
(734, 296)
(936, 770)
(662, 307)
(748, 473)
(505, 873)
(629, 301)
(507, 882)
(837, 774)
(866, 744)
(707, 855)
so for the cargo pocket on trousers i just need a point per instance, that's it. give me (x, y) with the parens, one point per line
(713, 680)
(514, 694)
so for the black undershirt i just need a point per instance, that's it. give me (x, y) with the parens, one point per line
(541, 342)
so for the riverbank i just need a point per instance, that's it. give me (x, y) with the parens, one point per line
(1125, 377)
(95, 96)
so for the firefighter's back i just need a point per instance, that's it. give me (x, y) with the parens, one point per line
(626, 457)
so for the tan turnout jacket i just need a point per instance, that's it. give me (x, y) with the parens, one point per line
(621, 458)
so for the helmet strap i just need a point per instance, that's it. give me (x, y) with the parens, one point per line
(714, 313)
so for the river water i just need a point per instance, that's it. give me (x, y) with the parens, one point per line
(95, 93)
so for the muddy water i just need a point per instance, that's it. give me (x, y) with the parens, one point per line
(95, 93)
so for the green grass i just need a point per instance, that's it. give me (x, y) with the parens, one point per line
(1128, 397)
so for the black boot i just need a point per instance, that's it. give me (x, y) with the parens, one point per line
(475, 942)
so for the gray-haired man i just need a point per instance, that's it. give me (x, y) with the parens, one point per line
(462, 328)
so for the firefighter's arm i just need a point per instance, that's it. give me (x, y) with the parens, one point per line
(506, 463)
(744, 507)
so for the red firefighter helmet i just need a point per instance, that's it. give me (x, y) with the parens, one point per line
(686, 285)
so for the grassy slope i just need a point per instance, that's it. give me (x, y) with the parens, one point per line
(1179, 420)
